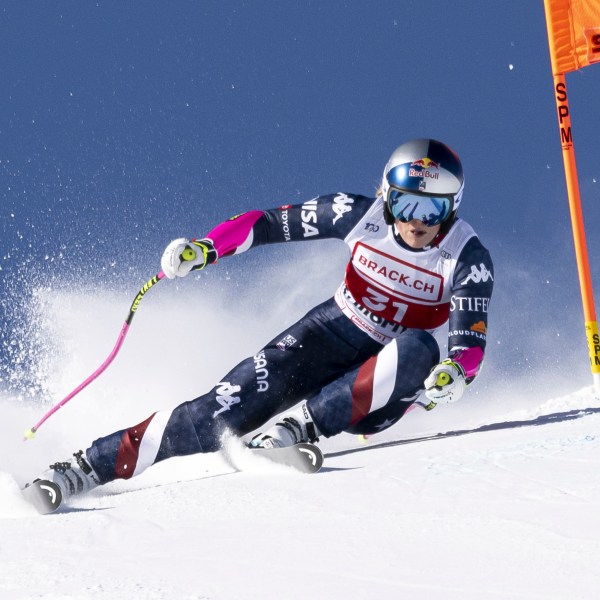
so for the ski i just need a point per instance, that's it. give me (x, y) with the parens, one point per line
(45, 496)
(304, 457)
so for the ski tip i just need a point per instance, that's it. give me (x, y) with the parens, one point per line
(304, 457)
(313, 454)
(44, 495)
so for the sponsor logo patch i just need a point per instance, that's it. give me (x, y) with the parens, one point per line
(309, 218)
(479, 327)
(286, 342)
(469, 304)
(421, 168)
(466, 333)
(396, 275)
(262, 374)
(285, 225)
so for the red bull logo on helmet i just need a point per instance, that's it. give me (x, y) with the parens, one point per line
(420, 168)
(425, 163)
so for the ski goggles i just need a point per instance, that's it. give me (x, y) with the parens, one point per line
(430, 210)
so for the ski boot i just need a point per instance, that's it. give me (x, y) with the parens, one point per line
(61, 481)
(295, 427)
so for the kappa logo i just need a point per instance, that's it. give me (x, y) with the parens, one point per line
(225, 396)
(478, 275)
(372, 227)
(341, 206)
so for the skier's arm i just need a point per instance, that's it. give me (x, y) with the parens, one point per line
(331, 216)
(471, 296)
(467, 333)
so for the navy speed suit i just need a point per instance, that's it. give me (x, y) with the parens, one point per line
(359, 358)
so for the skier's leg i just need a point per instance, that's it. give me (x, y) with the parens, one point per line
(376, 395)
(312, 353)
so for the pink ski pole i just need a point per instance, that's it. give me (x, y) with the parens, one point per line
(30, 433)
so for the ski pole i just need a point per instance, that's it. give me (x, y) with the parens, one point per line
(30, 433)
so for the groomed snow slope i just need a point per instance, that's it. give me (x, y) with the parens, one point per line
(493, 497)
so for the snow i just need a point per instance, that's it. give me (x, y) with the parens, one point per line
(493, 497)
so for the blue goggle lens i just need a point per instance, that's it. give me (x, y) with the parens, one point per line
(430, 210)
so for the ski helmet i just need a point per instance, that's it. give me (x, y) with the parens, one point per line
(423, 180)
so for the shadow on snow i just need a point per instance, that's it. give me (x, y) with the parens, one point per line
(541, 420)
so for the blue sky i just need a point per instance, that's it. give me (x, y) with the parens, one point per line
(126, 124)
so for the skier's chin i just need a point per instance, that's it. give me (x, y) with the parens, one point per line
(415, 234)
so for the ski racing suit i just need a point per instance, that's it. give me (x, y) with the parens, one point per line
(359, 358)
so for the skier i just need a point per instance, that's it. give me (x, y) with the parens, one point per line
(356, 362)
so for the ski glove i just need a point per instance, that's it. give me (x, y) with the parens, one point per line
(182, 256)
(446, 382)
